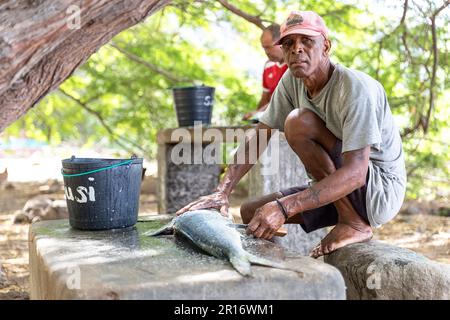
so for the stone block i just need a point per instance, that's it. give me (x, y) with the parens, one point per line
(376, 270)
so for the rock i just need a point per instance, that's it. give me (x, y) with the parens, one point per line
(20, 217)
(149, 185)
(375, 270)
(42, 208)
(412, 210)
(37, 203)
(143, 173)
(36, 206)
(49, 213)
(4, 184)
(442, 211)
(59, 211)
(8, 186)
(4, 177)
(3, 279)
(52, 187)
(434, 207)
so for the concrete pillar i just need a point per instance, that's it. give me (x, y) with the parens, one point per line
(280, 168)
(180, 184)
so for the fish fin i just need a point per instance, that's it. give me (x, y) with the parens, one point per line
(264, 262)
(268, 263)
(241, 264)
(167, 229)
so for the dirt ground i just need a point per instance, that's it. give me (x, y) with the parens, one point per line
(414, 228)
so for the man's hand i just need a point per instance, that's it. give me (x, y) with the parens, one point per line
(217, 200)
(266, 221)
(250, 114)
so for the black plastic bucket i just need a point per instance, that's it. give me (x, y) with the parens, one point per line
(193, 104)
(102, 194)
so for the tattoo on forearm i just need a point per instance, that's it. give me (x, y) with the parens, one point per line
(314, 195)
(297, 204)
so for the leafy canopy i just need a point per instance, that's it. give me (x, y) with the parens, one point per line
(122, 95)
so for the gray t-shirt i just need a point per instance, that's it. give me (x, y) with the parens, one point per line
(355, 109)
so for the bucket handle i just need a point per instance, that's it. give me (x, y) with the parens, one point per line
(96, 170)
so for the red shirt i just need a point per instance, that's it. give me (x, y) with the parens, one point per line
(273, 71)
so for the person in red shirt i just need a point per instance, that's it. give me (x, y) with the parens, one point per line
(273, 69)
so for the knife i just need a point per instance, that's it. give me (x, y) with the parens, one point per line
(281, 232)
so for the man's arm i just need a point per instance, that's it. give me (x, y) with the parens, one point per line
(351, 176)
(233, 174)
(264, 101)
(236, 171)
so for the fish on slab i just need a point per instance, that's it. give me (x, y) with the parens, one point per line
(217, 235)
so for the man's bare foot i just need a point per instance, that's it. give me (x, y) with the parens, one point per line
(342, 234)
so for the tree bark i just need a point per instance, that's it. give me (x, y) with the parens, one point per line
(42, 42)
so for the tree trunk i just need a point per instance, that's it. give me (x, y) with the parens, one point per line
(43, 41)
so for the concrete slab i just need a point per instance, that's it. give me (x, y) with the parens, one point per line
(123, 264)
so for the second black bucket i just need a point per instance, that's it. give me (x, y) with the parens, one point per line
(193, 104)
(102, 194)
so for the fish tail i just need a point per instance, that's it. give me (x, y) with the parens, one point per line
(268, 263)
(241, 264)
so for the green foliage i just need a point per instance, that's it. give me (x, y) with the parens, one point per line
(122, 95)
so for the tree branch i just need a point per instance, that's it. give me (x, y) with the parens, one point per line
(432, 97)
(380, 50)
(148, 65)
(423, 120)
(402, 20)
(407, 131)
(97, 114)
(405, 44)
(253, 19)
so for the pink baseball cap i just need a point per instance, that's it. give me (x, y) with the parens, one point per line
(307, 23)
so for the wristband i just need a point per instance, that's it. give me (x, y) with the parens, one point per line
(283, 210)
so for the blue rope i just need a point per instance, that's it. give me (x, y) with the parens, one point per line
(96, 170)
